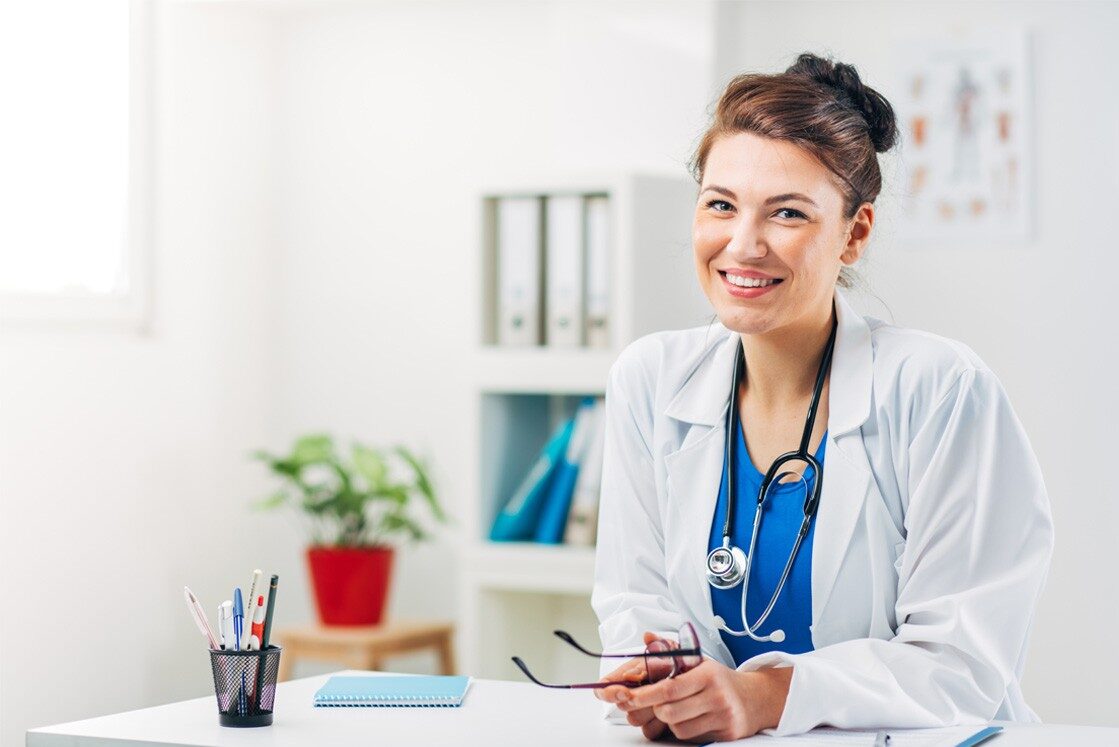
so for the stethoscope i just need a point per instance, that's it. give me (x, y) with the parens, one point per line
(728, 566)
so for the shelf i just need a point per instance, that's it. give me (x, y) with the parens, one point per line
(543, 370)
(530, 567)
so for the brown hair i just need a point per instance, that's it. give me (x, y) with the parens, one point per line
(823, 107)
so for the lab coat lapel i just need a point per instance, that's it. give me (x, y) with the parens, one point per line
(846, 470)
(694, 471)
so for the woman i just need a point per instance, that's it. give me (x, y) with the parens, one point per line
(905, 596)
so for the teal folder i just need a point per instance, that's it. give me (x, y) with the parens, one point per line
(389, 691)
(517, 521)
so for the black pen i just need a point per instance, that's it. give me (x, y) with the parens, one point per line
(267, 632)
(271, 608)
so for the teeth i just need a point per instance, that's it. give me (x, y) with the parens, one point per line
(748, 282)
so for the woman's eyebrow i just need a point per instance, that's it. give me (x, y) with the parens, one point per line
(776, 198)
(791, 196)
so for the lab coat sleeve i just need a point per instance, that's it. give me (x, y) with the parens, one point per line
(630, 592)
(979, 538)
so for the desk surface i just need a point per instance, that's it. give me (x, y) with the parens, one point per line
(494, 712)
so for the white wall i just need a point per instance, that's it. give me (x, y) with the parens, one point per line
(122, 457)
(1042, 315)
(390, 115)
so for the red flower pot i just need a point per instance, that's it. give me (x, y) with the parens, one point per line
(350, 583)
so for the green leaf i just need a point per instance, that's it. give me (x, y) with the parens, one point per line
(313, 449)
(422, 483)
(275, 500)
(395, 522)
(398, 494)
(370, 465)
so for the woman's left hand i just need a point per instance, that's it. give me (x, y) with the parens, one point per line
(713, 702)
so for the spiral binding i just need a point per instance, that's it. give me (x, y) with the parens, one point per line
(387, 701)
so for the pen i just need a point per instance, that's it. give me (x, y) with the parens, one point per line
(256, 632)
(238, 618)
(271, 609)
(200, 618)
(225, 624)
(252, 604)
(272, 584)
(881, 739)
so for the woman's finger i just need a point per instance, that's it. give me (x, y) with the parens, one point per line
(685, 709)
(665, 691)
(613, 693)
(700, 729)
(654, 728)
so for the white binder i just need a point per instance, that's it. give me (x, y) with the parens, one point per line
(598, 272)
(519, 250)
(563, 251)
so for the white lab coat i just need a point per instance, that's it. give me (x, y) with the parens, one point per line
(933, 534)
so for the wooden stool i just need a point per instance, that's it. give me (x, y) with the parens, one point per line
(364, 647)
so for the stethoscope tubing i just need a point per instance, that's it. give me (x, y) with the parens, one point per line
(812, 499)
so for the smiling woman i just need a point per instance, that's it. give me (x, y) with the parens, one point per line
(892, 583)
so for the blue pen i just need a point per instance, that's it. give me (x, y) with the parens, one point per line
(238, 618)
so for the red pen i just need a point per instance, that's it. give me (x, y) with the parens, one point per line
(257, 632)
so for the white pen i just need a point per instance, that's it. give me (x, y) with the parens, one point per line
(225, 625)
(245, 634)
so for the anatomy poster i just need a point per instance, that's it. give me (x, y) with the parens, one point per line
(963, 110)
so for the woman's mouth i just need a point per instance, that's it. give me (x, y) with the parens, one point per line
(748, 287)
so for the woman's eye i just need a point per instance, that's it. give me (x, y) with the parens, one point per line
(793, 213)
(712, 203)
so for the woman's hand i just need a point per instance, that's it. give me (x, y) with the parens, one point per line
(710, 702)
(634, 670)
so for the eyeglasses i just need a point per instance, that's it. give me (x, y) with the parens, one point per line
(662, 659)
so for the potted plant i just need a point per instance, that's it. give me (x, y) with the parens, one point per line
(355, 509)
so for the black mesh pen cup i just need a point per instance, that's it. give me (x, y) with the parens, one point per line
(245, 685)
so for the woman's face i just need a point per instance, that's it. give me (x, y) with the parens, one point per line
(767, 208)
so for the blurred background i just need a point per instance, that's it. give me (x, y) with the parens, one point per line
(228, 225)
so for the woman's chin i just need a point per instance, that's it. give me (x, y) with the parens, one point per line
(745, 321)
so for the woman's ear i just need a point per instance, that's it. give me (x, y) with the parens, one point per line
(858, 234)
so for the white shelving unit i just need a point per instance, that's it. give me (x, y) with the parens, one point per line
(517, 593)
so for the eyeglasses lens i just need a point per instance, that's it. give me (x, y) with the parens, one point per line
(658, 668)
(688, 640)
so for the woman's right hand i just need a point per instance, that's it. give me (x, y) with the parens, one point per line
(634, 669)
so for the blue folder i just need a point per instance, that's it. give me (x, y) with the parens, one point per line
(553, 515)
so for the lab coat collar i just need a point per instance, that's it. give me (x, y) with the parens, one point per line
(705, 395)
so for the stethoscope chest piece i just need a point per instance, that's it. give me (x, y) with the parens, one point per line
(725, 567)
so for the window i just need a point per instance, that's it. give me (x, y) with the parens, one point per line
(75, 161)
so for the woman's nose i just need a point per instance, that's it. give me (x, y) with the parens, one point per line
(745, 242)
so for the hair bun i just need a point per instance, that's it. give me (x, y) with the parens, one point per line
(851, 92)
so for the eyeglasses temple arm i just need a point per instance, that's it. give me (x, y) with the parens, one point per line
(580, 685)
(524, 668)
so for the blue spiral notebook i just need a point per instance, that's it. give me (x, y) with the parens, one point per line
(410, 691)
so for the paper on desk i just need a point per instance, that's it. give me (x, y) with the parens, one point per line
(946, 737)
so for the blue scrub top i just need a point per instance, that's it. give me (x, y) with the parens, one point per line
(781, 519)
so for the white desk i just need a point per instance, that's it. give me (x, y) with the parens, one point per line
(493, 713)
